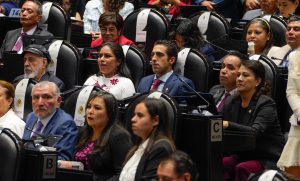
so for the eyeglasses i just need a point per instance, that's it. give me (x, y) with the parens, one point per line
(105, 30)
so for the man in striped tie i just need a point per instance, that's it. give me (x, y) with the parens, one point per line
(31, 14)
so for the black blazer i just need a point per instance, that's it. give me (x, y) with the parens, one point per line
(261, 119)
(108, 164)
(217, 91)
(12, 36)
(149, 162)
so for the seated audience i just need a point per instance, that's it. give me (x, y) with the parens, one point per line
(114, 76)
(150, 124)
(171, 6)
(267, 7)
(8, 118)
(164, 79)
(36, 59)
(287, 7)
(258, 31)
(7, 5)
(31, 14)
(228, 74)
(187, 35)
(102, 144)
(94, 8)
(177, 166)
(48, 119)
(111, 25)
(280, 55)
(289, 160)
(255, 113)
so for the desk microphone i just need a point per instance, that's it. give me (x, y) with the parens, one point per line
(38, 134)
(194, 91)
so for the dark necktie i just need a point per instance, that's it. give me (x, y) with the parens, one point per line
(222, 103)
(155, 84)
(38, 129)
(19, 43)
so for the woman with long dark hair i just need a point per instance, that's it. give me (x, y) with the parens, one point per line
(114, 76)
(150, 124)
(253, 112)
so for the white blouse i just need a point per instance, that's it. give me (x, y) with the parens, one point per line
(120, 87)
(93, 10)
(129, 170)
(13, 122)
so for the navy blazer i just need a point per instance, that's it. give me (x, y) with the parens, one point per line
(12, 36)
(61, 124)
(261, 119)
(173, 86)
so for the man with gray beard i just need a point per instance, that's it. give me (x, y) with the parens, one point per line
(36, 59)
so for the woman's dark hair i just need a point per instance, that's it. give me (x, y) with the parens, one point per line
(9, 91)
(117, 50)
(115, 5)
(189, 30)
(258, 70)
(264, 24)
(86, 133)
(111, 18)
(155, 107)
(182, 163)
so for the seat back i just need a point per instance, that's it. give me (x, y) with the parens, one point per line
(194, 66)
(22, 100)
(74, 102)
(56, 20)
(66, 63)
(136, 62)
(170, 103)
(271, 74)
(11, 155)
(145, 26)
(211, 25)
(278, 27)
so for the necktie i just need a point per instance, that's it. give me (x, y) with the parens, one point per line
(38, 129)
(222, 103)
(19, 43)
(285, 61)
(155, 84)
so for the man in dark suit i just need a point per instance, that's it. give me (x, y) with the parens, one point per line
(36, 60)
(31, 14)
(48, 119)
(228, 74)
(164, 55)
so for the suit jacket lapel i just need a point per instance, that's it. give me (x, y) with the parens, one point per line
(50, 124)
(12, 40)
(169, 83)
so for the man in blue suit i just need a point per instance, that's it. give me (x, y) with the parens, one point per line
(164, 55)
(48, 119)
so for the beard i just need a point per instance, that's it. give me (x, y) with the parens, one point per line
(34, 73)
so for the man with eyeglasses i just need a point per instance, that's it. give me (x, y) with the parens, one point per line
(36, 59)
(31, 14)
(280, 55)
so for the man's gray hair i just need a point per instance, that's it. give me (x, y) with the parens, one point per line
(45, 84)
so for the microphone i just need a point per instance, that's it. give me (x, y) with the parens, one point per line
(38, 134)
(197, 93)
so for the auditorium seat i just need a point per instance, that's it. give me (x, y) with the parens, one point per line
(145, 26)
(22, 100)
(212, 25)
(56, 20)
(74, 102)
(194, 65)
(11, 156)
(170, 103)
(136, 62)
(68, 59)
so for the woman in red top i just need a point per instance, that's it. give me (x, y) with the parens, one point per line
(111, 25)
